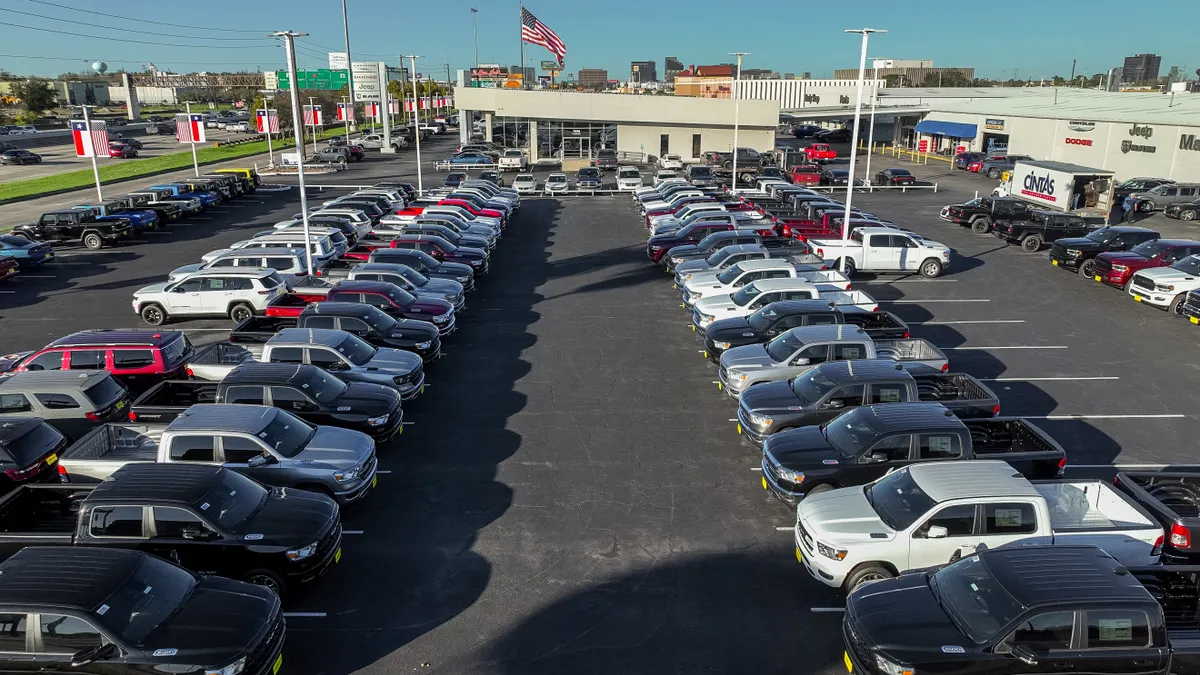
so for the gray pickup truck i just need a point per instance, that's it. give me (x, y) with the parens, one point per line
(265, 443)
(800, 349)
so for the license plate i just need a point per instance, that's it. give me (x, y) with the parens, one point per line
(422, 390)
(739, 427)
(51, 459)
(849, 663)
(275, 666)
(1052, 262)
(764, 481)
(799, 556)
(374, 481)
(720, 386)
(675, 286)
(693, 327)
(1194, 320)
(120, 405)
(49, 256)
(337, 555)
(1137, 298)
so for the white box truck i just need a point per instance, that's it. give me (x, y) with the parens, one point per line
(1059, 186)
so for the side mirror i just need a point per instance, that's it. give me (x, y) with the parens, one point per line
(800, 362)
(261, 460)
(876, 458)
(339, 366)
(86, 656)
(1024, 654)
(835, 403)
(937, 532)
(177, 289)
(193, 532)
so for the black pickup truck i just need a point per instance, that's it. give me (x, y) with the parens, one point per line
(1040, 227)
(1015, 610)
(366, 321)
(780, 317)
(1173, 498)
(166, 211)
(75, 225)
(304, 390)
(833, 387)
(204, 518)
(867, 442)
(1079, 253)
(982, 213)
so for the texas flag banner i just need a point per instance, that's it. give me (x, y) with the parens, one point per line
(268, 121)
(393, 107)
(371, 110)
(312, 116)
(343, 112)
(90, 141)
(189, 128)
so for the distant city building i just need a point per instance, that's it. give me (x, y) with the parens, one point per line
(672, 67)
(911, 72)
(643, 71)
(758, 74)
(1141, 68)
(590, 77)
(789, 76)
(705, 81)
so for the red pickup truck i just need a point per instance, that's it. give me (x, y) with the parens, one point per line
(390, 298)
(805, 174)
(820, 152)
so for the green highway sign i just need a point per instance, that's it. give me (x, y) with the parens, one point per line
(322, 79)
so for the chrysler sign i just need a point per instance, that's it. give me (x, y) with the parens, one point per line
(1081, 127)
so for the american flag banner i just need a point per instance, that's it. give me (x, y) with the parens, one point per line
(372, 110)
(90, 141)
(393, 107)
(312, 116)
(189, 128)
(536, 32)
(268, 121)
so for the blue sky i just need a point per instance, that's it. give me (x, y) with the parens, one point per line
(1034, 38)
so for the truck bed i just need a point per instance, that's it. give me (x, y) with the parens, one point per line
(1173, 498)
(41, 511)
(1091, 506)
(116, 443)
(911, 350)
(851, 301)
(959, 392)
(1177, 590)
(879, 325)
(259, 329)
(166, 400)
(221, 354)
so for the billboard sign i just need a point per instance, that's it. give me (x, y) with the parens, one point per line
(367, 86)
(339, 60)
(551, 65)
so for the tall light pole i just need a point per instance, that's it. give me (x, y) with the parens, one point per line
(412, 58)
(475, 30)
(736, 110)
(871, 131)
(349, 73)
(862, 71)
(289, 38)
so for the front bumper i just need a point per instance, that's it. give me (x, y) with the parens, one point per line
(1160, 299)
(817, 565)
(1060, 260)
(747, 429)
(393, 428)
(412, 390)
(361, 488)
(732, 389)
(315, 568)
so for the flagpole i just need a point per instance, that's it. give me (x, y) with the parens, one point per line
(195, 160)
(267, 128)
(91, 142)
(313, 108)
(520, 25)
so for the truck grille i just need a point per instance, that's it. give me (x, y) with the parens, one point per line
(1142, 282)
(1191, 306)
(805, 538)
(261, 658)
(854, 645)
(1102, 267)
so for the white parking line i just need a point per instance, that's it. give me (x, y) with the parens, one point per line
(352, 531)
(732, 419)
(1150, 467)
(1104, 417)
(304, 615)
(880, 282)
(757, 468)
(62, 262)
(963, 323)
(827, 610)
(382, 471)
(1048, 379)
(7, 292)
(923, 302)
(789, 528)
(960, 349)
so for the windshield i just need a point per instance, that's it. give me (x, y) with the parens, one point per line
(974, 598)
(700, 171)
(324, 387)
(104, 392)
(629, 173)
(1102, 235)
(1150, 249)
(287, 434)
(1189, 265)
(233, 501)
(719, 257)
(761, 319)
(513, 153)
(401, 297)
(155, 591)
(356, 350)
(745, 295)
(849, 434)
(898, 500)
(589, 173)
(811, 386)
(730, 274)
(413, 277)
(781, 348)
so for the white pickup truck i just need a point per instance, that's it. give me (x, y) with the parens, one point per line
(758, 294)
(882, 249)
(1166, 287)
(728, 281)
(926, 515)
(513, 160)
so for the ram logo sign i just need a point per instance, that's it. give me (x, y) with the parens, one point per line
(1039, 187)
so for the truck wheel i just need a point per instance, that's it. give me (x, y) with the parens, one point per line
(728, 165)
(154, 315)
(993, 173)
(1187, 214)
(865, 574)
(1176, 307)
(850, 269)
(93, 241)
(931, 268)
(240, 312)
(981, 225)
(1087, 268)
(1145, 206)
(269, 579)
(1031, 243)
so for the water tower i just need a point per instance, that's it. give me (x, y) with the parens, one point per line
(100, 67)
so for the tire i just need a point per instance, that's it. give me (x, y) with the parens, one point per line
(850, 268)
(728, 165)
(1176, 306)
(153, 315)
(865, 574)
(1187, 214)
(93, 241)
(1146, 206)
(1032, 243)
(931, 269)
(818, 489)
(240, 312)
(981, 225)
(1087, 268)
(993, 173)
(269, 579)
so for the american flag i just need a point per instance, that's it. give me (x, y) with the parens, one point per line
(189, 128)
(536, 32)
(312, 116)
(371, 110)
(90, 143)
(268, 120)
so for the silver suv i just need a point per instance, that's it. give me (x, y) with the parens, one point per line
(1158, 198)
(72, 401)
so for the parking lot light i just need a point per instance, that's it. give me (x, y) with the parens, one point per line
(736, 109)
(289, 38)
(416, 119)
(871, 129)
(862, 71)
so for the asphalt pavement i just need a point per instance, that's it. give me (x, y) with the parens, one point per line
(572, 495)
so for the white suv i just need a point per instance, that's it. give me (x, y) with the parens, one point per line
(237, 294)
(1167, 287)
(288, 262)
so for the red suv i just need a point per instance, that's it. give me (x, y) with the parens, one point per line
(138, 358)
(1116, 268)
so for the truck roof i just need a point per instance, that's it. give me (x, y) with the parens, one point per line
(118, 337)
(789, 284)
(943, 481)
(351, 285)
(790, 307)
(167, 483)
(43, 379)
(83, 577)
(829, 332)
(1040, 575)
(270, 373)
(765, 264)
(1065, 167)
(252, 272)
(353, 309)
(326, 337)
(863, 370)
(249, 419)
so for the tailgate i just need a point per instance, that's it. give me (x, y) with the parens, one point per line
(851, 301)
(1173, 499)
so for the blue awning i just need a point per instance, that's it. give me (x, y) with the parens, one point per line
(953, 129)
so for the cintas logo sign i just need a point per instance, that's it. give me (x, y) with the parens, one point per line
(1041, 187)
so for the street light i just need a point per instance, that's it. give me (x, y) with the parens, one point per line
(874, 101)
(475, 30)
(352, 117)
(289, 39)
(736, 110)
(416, 119)
(862, 71)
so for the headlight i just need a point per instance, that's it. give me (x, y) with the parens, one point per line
(796, 477)
(656, 248)
(424, 345)
(758, 420)
(463, 280)
(377, 421)
(299, 554)
(686, 276)
(740, 377)
(707, 317)
(1074, 252)
(233, 668)
(1159, 287)
(441, 318)
(831, 552)
(721, 345)
(888, 668)
(346, 475)
(1120, 268)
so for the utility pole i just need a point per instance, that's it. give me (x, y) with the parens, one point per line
(289, 39)
(475, 30)
(862, 72)
(416, 120)
(349, 73)
(736, 113)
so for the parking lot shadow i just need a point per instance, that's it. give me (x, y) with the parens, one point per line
(683, 616)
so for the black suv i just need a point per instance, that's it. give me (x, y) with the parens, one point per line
(982, 213)
(1041, 227)
(1079, 253)
(75, 225)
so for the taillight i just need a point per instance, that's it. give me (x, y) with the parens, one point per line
(132, 416)
(847, 286)
(946, 367)
(63, 476)
(821, 252)
(906, 335)
(95, 417)
(1180, 536)
(22, 474)
(995, 408)
(189, 372)
(1158, 546)
(1062, 467)
(267, 292)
